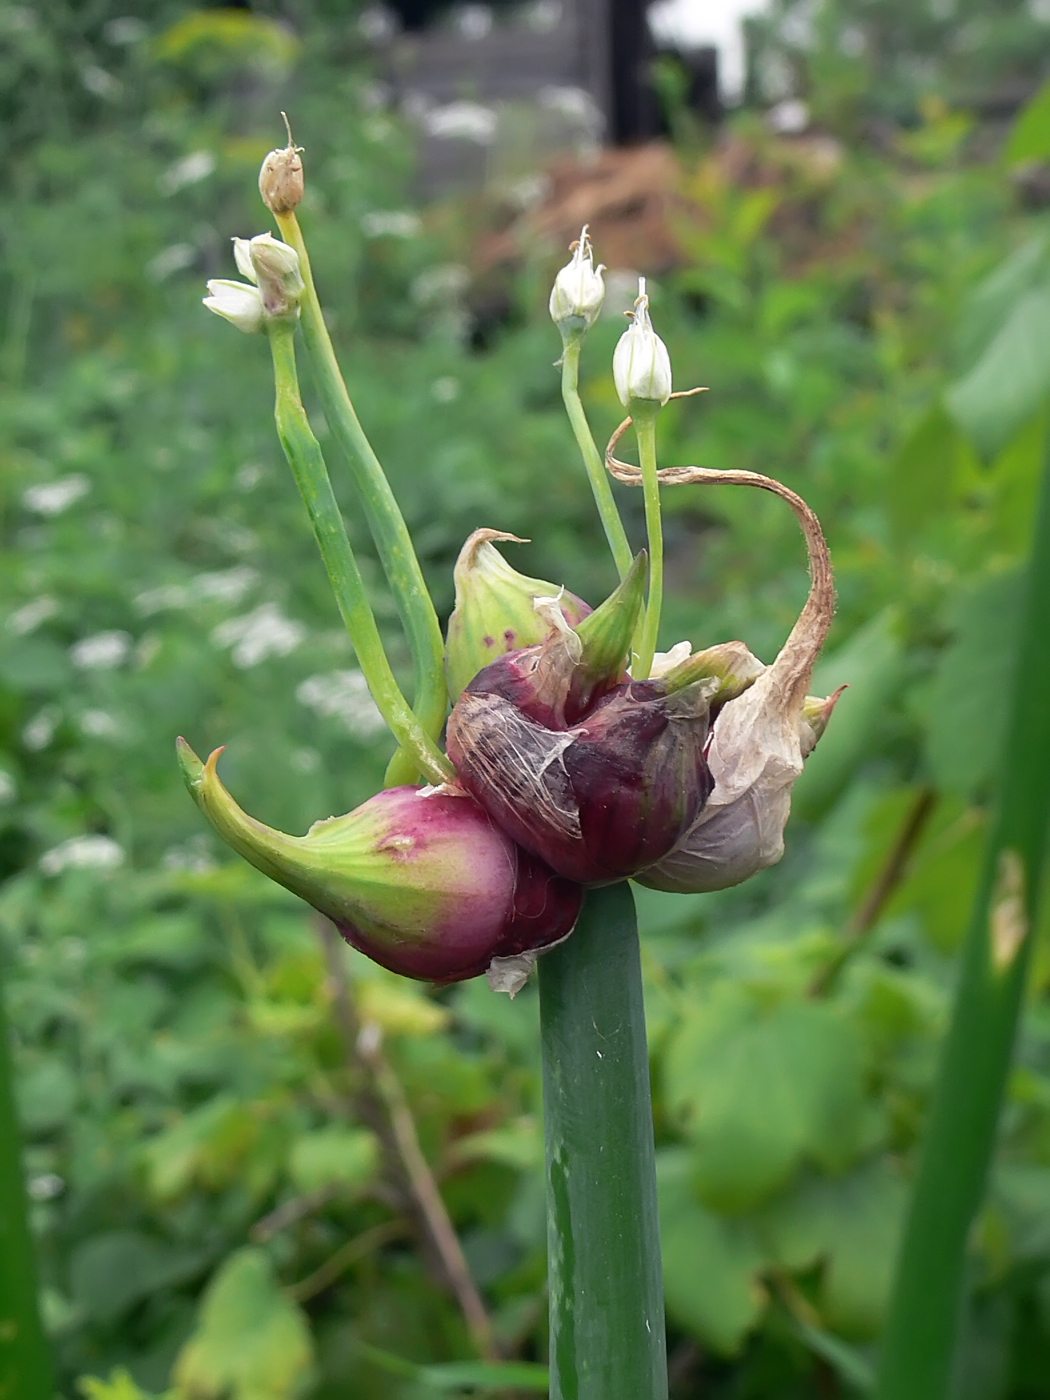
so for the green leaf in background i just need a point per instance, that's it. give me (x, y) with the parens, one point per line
(456, 1377)
(965, 726)
(120, 1386)
(1010, 380)
(110, 1273)
(251, 1342)
(871, 664)
(850, 1226)
(347, 1157)
(1029, 137)
(711, 1265)
(991, 301)
(759, 1090)
(924, 474)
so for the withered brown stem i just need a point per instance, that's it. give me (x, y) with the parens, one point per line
(795, 661)
(387, 1111)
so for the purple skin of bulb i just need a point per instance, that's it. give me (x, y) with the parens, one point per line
(501, 900)
(598, 800)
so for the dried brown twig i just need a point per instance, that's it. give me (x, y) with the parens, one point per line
(384, 1106)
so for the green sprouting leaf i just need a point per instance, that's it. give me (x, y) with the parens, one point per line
(1010, 380)
(851, 1226)
(759, 1090)
(120, 1386)
(924, 474)
(965, 717)
(871, 664)
(1029, 137)
(345, 1157)
(711, 1265)
(251, 1342)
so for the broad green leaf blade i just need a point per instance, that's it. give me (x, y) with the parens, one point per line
(760, 1090)
(711, 1265)
(1010, 380)
(966, 714)
(251, 1342)
(1029, 137)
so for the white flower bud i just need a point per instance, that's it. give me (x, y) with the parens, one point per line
(578, 291)
(240, 304)
(273, 267)
(641, 364)
(276, 268)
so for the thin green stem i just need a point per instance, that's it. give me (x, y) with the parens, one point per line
(393, 542)
(311, 475)
(596, 473)
(25, 1366)
(607, 1337)
(645, 429)
(919, 1349)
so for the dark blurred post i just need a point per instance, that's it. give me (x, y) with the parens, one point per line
(634, 113)
(25, 1366)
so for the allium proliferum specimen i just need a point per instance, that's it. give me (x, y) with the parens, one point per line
(577, 756)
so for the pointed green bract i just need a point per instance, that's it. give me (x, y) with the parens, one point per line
(496, 609)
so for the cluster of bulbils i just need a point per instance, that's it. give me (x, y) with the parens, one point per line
(569, 772)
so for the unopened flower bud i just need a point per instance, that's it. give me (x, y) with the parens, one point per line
(276, 268)
(273, 269)
(281, 177)
(495, 609)
(237, 303)
(421, 880)
(641, 364)
(578, 291)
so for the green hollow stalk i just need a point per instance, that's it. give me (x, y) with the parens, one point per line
(393, 542)
(607, 1337)
(311, 475)
(918, 1352)
(25, 1365)
(644, 414)
(596, 473)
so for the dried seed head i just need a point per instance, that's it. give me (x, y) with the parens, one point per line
(281, 177)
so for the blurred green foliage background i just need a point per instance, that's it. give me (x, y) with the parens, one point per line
(871, 310)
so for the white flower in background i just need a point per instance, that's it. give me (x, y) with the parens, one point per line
(221, 586)
(641, 364)
(30, 615)
(343, 695)
(192, 856)
(462, 121)
(190, 170)
(257, 635)
(444, 283)
(45, 1187)
(391, 223)
(101, 651)
(53, 497)
(40, 730)
(8, 788)
(175, 258)
(445, 389)
(578, 291)
(99, 724)
(96, 852)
